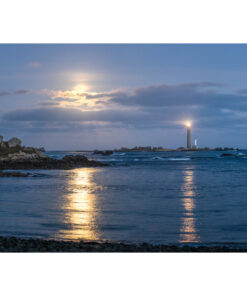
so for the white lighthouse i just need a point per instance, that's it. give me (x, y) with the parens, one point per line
(195, 144)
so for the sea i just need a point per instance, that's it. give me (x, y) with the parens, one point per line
(154, 197)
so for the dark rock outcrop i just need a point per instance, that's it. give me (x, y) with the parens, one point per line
(68, 162)
(104, 153)
(14, 142)
(13, 174)
(14, 156)
(12, 150)
(226, 154)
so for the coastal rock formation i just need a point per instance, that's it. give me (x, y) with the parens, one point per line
(226, 154)
(14, 142)
(13, 174)
(13, 151)
(67, 162)
(19, 174)
(14, 156)
(2, 143)
(104, 153)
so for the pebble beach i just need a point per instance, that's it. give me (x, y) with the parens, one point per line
(13, 244)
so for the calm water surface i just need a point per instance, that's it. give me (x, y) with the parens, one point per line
(192, 197)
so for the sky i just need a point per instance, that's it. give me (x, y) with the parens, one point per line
(105, 96)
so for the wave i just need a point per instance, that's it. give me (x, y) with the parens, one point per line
(109, 160)
(157, 158)
(114, 159)
(149, 159)
(179, 158)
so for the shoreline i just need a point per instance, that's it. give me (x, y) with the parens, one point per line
(20, 245)
(164, 150)
(67, 162)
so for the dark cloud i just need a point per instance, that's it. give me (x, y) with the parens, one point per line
(16, 92)
(168, 117)
(4, 93)
(71, 114)
(242, 91)
(160, 106)
(202, 84)
(181, 95)
(21, 91)
(48, 103)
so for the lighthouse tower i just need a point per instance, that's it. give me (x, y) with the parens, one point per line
(188, 125)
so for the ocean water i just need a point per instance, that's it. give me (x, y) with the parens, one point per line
(162, 197)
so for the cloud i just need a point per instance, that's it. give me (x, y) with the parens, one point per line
(34, 64)
(4, 93)
(203, 84)
(142, 115)
(48, 103)
(16, 92)
(75, 94)
(21, 91)
(53, 114)
(192, 94)
(159, 106)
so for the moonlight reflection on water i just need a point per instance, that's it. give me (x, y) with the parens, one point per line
(80, 206)
(140, 197)
(188, 232)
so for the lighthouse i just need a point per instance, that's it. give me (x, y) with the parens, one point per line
(196, 143)
(188, 125)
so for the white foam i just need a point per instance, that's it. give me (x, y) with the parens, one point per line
(178, 159)
(157, 158)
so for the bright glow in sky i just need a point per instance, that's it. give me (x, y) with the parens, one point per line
(108, 96)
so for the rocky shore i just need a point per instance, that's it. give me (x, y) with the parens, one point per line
(67, 162)
(15, 156)
(103, 153)
(13, 174)
(13, 244)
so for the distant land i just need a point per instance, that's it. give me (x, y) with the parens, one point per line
(159, 149)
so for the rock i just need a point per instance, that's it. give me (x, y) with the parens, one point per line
(74, 158)
(227, 154)
(13, 174)
(3, 145)
(68, 162)
(14, 142)
(80, 160)
(104, 153)
(15, 156)
(12, 244)
(40, 153)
